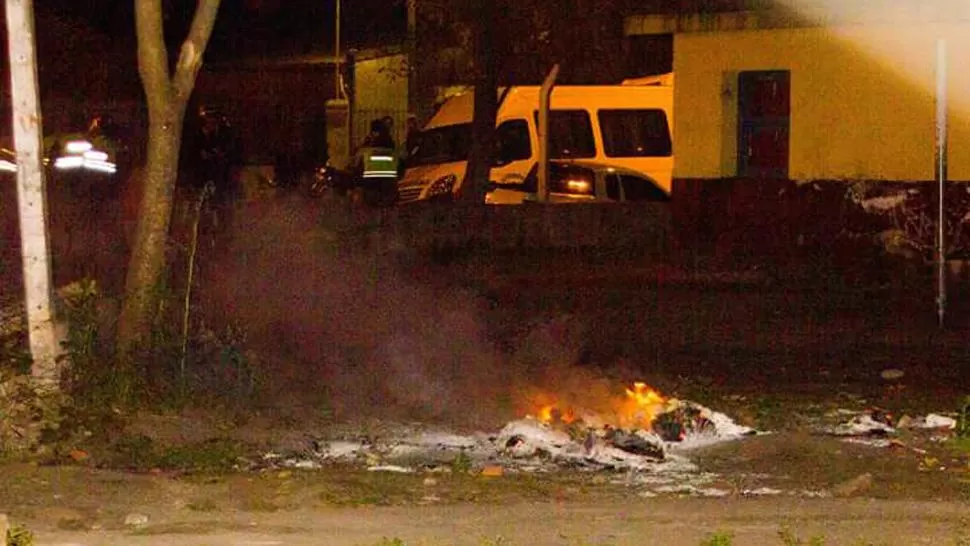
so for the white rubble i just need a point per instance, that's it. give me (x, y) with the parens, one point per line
(390, 468)
(691, 490)
(934, 421)
(761, 492)
(864, 425)
(860, 425)
(724, 429)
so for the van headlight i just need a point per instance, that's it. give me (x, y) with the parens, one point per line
(442, 186)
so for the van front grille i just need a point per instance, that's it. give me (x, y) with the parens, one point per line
(408, 194)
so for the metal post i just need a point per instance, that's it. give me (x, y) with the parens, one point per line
(412, 57)
(31, 190)
(545, 95)
(338, 88)
(941, 176)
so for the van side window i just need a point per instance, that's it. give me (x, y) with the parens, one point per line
(570, 134)
(637, 189)
(513, 141)
(635, 133)
(613, 187)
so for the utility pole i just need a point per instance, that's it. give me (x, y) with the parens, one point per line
(337, 77)
(411, 50)
(545, 98)
(940, 168)
(31, 192)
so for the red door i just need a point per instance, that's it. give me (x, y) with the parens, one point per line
(764, 122)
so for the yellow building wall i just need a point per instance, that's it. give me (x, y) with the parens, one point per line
(381, 88)
(382, 83)
(862, 99)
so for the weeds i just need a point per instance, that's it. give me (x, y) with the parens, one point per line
(30, 416)
(87, 358)
(961, 440)
(718, 538)
(461, 464)
(142, 453)
(963, 424)
(390, 542)
(788, 538)
(19, 535)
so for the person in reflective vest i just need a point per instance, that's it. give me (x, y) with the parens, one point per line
(376, 157)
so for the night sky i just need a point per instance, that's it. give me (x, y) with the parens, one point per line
(253, 27)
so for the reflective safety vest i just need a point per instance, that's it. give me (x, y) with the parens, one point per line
(379, 163)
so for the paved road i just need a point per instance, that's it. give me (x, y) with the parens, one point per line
(641, 522)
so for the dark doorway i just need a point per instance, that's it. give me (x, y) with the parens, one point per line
(649, 55)
(764, 123)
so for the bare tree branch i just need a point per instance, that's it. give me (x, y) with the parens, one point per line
(152, 53)
(190, 57)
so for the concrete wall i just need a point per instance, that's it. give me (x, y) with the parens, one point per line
(862, 99)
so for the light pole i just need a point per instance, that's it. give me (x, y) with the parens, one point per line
(940, 169)
(412, 57)
(338, 88)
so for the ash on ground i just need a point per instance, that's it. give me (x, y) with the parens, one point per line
(529, 445)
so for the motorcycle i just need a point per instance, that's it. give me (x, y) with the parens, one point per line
(373, 180)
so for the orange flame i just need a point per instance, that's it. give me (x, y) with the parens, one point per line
(641, 405)
(552, 414)
(637, 407)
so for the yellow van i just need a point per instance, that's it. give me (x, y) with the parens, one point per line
(626, 126)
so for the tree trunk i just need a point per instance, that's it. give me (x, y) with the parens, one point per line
(482, 152)
(147, 260)
(167, 96)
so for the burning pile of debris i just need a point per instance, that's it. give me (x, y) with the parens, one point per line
(644, 428)
(642, 431)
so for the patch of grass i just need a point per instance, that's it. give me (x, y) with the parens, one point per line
(718, 538)
(72, 524)
(203, 505)
(461, 464)
(963, 534)
(19, 535)
(960, 444)
(143, 453)
(497, 541)
(788, 538)
(216, 456)
(371, 489)
(390, 542)
(963, 423)
(260, 504)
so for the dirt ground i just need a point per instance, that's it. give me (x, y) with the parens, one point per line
(899, 505)
(636, 523)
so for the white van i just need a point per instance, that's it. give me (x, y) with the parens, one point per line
(625, 126)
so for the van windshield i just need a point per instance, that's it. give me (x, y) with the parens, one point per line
(446, 144)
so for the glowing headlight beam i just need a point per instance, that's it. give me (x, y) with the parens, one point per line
(70, 162)
(380, 174)
(78, 147)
